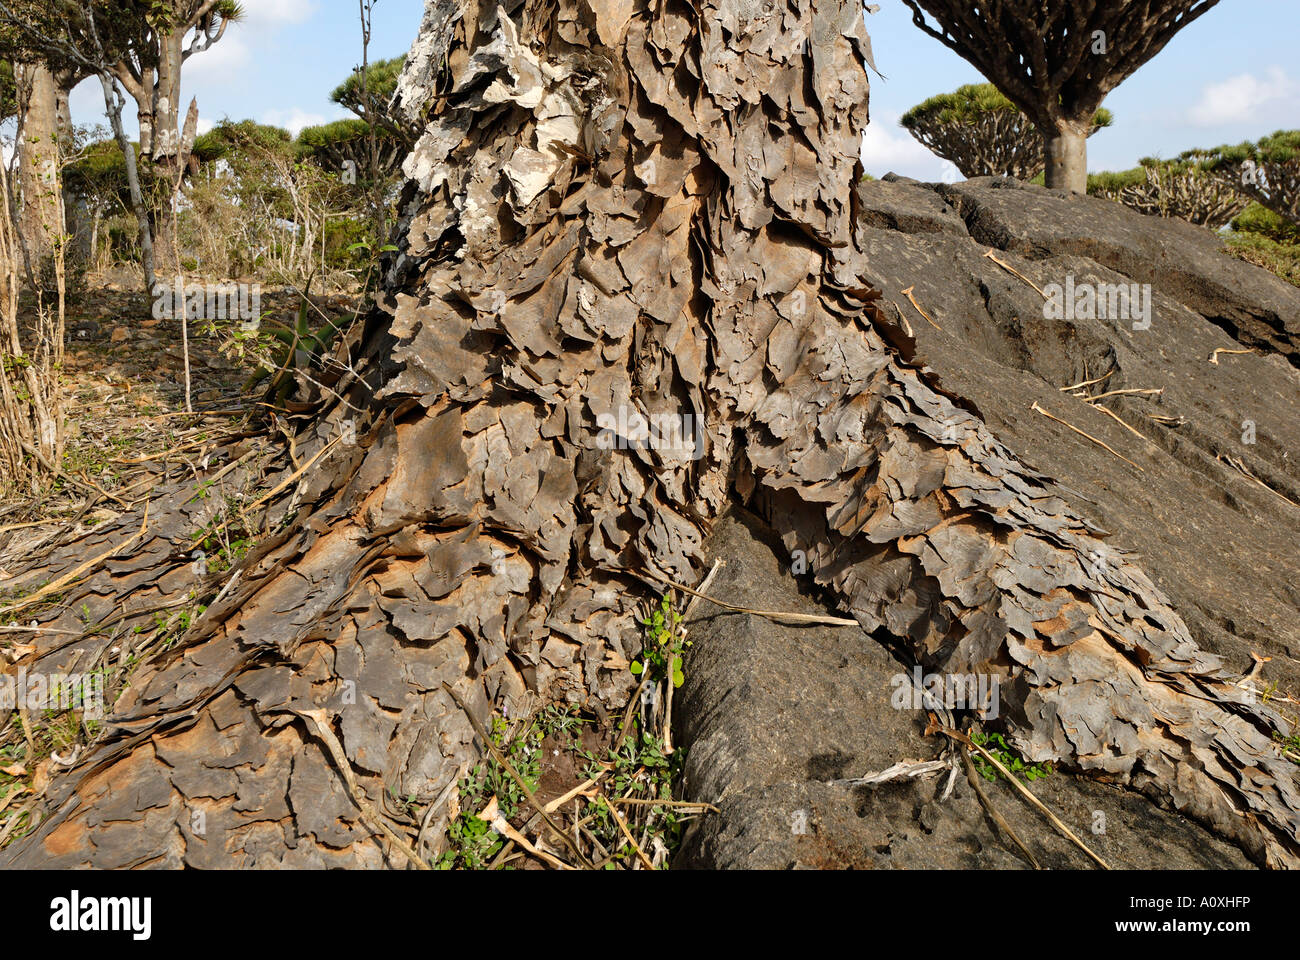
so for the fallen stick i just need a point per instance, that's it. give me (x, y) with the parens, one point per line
(903, 770)
(1061, 828)
(502, 826)
(1241, 468)
(1116, 393)
(1010, 269)
(1214, 357)
(1100, 443)
(163, 454)
(768, 614)
(1000, 821)
(40, 629)
(576, 791)
(622, 825)
(1123, 423)
(684, 804)
(908, 293)
(1087, 383)
(69, 578)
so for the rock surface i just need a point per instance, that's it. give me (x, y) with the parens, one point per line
(1221, 545)
(773, 714)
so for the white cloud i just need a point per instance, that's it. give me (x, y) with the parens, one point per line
(1241, 97)
(204, 125)
(292, 120)
(219, 62)
(888, 148)
(264, 12)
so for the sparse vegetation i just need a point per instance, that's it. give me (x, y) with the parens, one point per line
(996, 744)
(1165, 188)
(628, 771)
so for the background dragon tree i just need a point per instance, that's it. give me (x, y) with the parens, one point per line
(616, 207)
(1057, 59)
(982, 133)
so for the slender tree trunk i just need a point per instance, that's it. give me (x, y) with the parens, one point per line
(113, 104)
(650, 216)
(166, 252)
(64, 82)
(1067, 156)
(376, 182)
(38, 161)
(162, 147)
(165, 145)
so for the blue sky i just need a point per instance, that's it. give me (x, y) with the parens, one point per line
(1231, 76)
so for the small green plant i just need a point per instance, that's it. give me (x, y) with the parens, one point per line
(471, 841)
(1290, 745)
(471, 844)
(641, 771)
(288, 350)
(996, 744)
(664, 645)
(223, 543)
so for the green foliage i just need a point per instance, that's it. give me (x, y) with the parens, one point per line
(1283, 146)
(1290, 745)
(98, 176)
(471, 844)
(996, 744)
(346, 241)
(471, 841)
(381, 82)
(982, 133)
(1171, 188)
(664, 646)
(226, 539)
(1281, 259)
(1260, 220)
(330, 145)
(230, 138)
(1109, 182)
(641, 771)
(1267, 171)
(8, 90)
(970, 103)
(314, 139)
(294, 349)
(490, 779)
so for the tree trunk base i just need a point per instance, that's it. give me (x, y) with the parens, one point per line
(601, 235)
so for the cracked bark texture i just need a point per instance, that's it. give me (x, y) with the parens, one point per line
(648, 208)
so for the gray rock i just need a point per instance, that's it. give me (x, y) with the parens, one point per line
(773, 714)
(1221, 545)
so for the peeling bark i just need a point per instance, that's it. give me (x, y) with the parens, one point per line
(617, 209)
